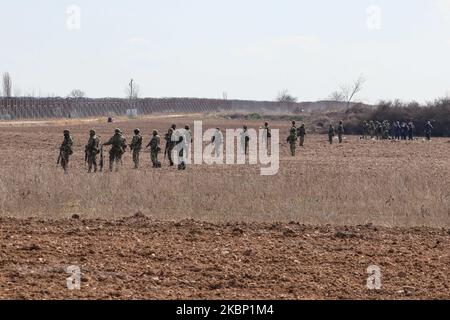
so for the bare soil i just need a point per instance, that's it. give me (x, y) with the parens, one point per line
(139, 258)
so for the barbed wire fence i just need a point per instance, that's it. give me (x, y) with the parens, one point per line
(47, 108)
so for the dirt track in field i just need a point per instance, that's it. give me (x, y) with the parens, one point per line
(138, 258)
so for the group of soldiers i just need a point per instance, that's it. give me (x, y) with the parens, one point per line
(300, 133)
(396, 131)
(294, 135)
(118, 143)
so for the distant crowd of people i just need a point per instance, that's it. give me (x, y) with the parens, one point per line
(395, 131)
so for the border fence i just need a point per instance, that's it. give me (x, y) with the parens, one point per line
(42, 108)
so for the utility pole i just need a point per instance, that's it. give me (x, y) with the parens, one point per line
(131, 89)
(131, 93)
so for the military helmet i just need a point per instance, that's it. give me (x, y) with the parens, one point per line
(266, 123)
(155, 132)
(245, 126)
(136, 131)
(174, 126)
(92, 132)
(187, 127)
(66, 131)
(117, 130)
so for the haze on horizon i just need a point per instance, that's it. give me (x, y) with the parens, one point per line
(249, 49)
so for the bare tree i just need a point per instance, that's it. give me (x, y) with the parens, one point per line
(77, 94)
(346, 93)
(132, 90)
(7, 85)
(337, 96)
(285, 96)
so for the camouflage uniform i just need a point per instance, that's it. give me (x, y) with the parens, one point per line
(267, 134)
(169, 145)
(292, 140)
(386, 129)
(411, 130)
(379, 130)
(154, 149)
(365, 130)
(245, 138)
(372, 129)
(396, 130)
(301, 132)
(340, 131)
(92, 148)
(118, 147)
(65, 150)
(330, 134)
(428, 129)
(136, 146)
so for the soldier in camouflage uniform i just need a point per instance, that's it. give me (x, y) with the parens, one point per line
(301, 132)
(169, 145)
(428, 129)
(136, 146)
(292, 140)
(340, 131)
(330, 134)
(65, 150)
(154, 149)
(372, 129)
(245, 139)
(118, 147)
(411, 128)
(386, 129)
(266, 134)
(379, 130)
(365, 130)
(92, 148)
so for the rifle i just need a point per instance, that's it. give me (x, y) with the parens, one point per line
(85, 155)
(59, 158)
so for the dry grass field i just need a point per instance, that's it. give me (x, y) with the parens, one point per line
(223, 231)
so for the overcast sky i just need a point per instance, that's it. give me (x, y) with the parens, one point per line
(250, 49)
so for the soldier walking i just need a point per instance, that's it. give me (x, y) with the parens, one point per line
(266, 134)
(301, 132)
(169, 145)
(118, 147)
(340, 131)
(65, 150)
(411, 131)
(136, 146)
(292, 140)
(428, 129)
(92, 148)
(155, 149)
(372, 129)
(217, 140)
(397, 130)
(330, 134)
(245, 138)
